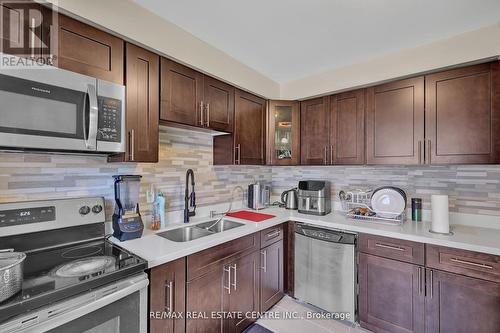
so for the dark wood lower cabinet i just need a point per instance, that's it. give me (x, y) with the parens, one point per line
(167, 294)
(271, 275)
(391, 295)
(460, 304)
(241, 294)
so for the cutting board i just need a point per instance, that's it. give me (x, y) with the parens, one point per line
(250, 216)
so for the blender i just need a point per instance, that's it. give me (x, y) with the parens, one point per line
(127, 222)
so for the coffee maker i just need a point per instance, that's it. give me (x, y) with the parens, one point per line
(127, 222)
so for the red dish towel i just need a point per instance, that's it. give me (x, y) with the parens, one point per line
(250, 216)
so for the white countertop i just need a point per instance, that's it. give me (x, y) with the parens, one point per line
(158, 250)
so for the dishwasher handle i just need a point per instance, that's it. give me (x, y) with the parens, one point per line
(325, 234)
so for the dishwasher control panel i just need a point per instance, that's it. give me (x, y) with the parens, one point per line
(328, 236)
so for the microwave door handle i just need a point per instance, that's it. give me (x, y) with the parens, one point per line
(91, 139)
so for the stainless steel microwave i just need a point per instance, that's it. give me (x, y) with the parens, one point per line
(51, 109)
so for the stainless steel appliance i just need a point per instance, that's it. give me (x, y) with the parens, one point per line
(74, 280)
(289, 199)
(127, 221)
(259, 196)
(51, 109)
(325, 270)
(314, 197)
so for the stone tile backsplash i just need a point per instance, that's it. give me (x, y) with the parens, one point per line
(472, 189)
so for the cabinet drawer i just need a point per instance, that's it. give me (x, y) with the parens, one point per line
(271, 235)
(202, 262)
(480, 265)
(392, 248)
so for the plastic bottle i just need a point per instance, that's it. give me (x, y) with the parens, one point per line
(160, 209)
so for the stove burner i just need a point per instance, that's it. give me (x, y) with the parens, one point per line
(86, 267)
(81, 252)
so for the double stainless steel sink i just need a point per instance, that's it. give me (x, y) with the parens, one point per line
(186, 234)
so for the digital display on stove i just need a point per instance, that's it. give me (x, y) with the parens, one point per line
(27, 215)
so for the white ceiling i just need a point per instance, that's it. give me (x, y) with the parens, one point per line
(291, 39)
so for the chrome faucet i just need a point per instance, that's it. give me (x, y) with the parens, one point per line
(189, 199)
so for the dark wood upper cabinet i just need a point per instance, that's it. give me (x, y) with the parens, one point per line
(249, 129)
(395, 122)
(167, 294)
(347, 128)
(461, 304)
(142, 97)
(271, 275)
(314, 131)
(181, 94)
(284, 133)
(218, 101)
(391, 295)
(25, 29)
(460, 113)
(90, 51)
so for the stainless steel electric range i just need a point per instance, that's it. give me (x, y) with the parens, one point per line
(74, 279)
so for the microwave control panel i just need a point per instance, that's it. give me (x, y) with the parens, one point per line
(109, 119)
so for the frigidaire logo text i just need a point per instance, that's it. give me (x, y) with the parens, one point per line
(41, 90)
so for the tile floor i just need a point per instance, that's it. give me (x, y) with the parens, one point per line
(299, 325)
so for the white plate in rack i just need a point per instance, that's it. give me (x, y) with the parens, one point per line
(388, 203)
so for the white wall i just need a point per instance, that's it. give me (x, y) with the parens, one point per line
(129, 20)
(467, 47)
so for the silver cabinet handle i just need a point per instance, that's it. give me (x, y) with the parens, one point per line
(384, 246)
(32, 37)
(431, 284)
(471, 263)
(202, 122)
(429, 152)
(169, 290)
(91, 139)
(208, 114)
(420, 280)
(227, 269)
(273, 234)
(238, 154)
(264, 260)
(235, 283)
(132, 145)
(331, 154)
(325, 162)
(419, 152)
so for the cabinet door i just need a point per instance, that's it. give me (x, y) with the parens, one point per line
(459, 304)
(218, 101)
(459, 116)
(167, 294)
(244, 294)
(347, 128)
(142, 95)
(395, 122)
(284, 133)
(249, 129)
(204, 295)
(391, 295)
(25, 29)
(314, 131)
(90, 51)
(271, 275)
(181, 94)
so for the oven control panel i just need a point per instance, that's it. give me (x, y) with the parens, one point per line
(109, 119)
(27, 215)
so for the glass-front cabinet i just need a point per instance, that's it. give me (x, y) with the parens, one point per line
(284, 133)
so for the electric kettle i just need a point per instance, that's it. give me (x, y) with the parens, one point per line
(289, 199)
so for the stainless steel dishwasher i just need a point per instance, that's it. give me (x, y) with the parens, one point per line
(325, 269)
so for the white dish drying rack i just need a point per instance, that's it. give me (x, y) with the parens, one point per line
(360, 199)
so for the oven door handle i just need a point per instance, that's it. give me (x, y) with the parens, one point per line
(91, 137)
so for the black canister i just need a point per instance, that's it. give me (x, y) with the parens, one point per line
(416, 209)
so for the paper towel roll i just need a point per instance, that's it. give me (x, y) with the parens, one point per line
(440, 214)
